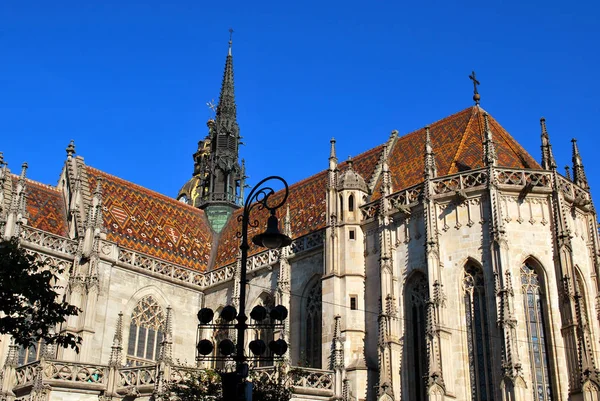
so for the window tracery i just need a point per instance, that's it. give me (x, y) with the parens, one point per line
(534, 303)
(478, 335)
(265, 332)
(146, 332)
(417, 298)
(312, 338)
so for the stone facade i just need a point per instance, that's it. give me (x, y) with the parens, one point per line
(443, 264)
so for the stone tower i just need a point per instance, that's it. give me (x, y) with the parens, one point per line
(217, 181)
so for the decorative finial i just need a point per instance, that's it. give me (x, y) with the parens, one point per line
(490, 157)
(476, 96)
(1, 159)
(23, 169)
(568, 172)
(230, 39)
(332, 149)
(548, 162)
(350, 162)
(579, 177)
(430, 164)
(71, 149)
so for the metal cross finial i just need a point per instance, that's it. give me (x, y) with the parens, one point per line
(476, 96)
(230, 39)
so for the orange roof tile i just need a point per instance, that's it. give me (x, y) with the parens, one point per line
(307, 209)
(148, 222)
(46, 208)
(458, 145)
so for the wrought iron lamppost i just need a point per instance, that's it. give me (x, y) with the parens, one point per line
(272, 238)
(260, 197)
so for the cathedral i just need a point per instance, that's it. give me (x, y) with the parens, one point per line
(444, 264)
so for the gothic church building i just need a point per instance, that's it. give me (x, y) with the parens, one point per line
(444, 264)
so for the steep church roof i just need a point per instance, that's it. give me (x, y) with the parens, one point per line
(457, 142)
(45, 207)
(307, 208)
(148, 222)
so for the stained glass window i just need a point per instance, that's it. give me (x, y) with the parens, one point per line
(417, 296)
(145, 332)
(312, 340)
(534, 304)
(478, 335)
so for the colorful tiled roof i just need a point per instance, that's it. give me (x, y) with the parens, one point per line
(46, 208)
(148, 222)
(307, 208)
(458, 145)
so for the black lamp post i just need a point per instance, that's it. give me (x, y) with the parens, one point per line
(272, 238)
(259, 197)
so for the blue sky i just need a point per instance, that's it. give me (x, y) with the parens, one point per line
(129, 80)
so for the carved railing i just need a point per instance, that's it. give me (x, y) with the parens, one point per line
(127, 257)
(137, 376)
(522, 178)
(49, 241)
(311, 378)
(266, 258)
(461, 181)
(573, 193)
(26, 374)
(75, 372)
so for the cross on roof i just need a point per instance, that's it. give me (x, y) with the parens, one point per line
(476, 96)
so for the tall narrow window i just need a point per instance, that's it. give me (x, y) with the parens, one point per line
(351, 203)
(312, 338)
(146, 332)
(220, 333)
(341, 207)
(265, 332)
(28, 355)
(417, 295)
(533, 297)
(478, 335)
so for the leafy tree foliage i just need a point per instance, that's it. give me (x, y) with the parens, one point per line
(29, 310)
(206, 386)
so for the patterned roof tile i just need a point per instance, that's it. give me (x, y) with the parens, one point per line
(148, 222)
(46, 207)
(307, 209)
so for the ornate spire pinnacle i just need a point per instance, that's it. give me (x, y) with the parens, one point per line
(579, 177)
(568, 172)
(226, 118)
(116, 356)
(489, 149)
(2, 164)
(166, 346)
(230, 40)
(332, 157)
(337, 356)
(430, 165)
(548, 162)
(70, 149)
(287, 222)
(476, 96)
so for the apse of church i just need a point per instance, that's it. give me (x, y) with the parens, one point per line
(443, 264)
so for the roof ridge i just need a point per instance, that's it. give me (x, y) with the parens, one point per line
(463, 137)
(144, 189)
(41, 184)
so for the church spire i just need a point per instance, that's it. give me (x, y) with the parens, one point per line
(548, 162)
(579, 177)
(226, 119)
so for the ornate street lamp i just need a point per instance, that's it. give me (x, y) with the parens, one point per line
(260, 197)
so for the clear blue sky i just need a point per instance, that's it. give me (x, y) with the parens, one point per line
(129, 80)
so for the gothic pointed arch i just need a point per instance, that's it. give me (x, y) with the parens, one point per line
(219, 334)
(146, 331)
(265, 333)
(536, 316)
(478, 333)
(416, 302)
(311, 315)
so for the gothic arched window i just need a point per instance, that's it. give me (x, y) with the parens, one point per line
(535, 312)
(312, 322)
(219, 334)
(351, 203)
(417, 296)
(478, 335)
(146, 332)
(265, 332)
